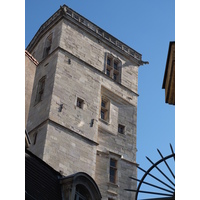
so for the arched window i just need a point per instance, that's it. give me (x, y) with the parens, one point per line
(82, 193)
(80, 186)
(47, 46)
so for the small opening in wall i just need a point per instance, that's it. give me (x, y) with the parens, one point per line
(35, 137)
(79, 102)
(121, 128)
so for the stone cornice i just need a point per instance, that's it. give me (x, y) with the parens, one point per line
(68, 13)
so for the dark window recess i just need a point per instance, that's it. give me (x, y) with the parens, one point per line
(112, 68)
(103, 103)
(40, 90)
(103, 115)
(105, 109)
(82, 193)
(115, 66)
(113, 170)
(80, 103)
(35, 138)
(108, 72)
(121, 128)
(108, 61)
(115, 76)
(47, 47)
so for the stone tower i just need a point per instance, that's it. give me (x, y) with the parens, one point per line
(83, 110)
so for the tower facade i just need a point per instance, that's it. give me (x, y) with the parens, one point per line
(83, 110)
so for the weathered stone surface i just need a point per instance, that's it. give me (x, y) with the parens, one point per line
(73, 139)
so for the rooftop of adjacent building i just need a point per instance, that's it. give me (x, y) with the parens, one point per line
(169, 76)
(31, 57)
(43, 182)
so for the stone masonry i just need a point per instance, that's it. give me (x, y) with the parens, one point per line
(66, 127)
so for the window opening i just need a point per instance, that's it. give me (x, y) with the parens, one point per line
(108, 61)
(35, 138)
(108, 72)
(80, 103)
(47, 47)
(115, 76)
(105, 109)
(115, 65)
(121, 128)
(40, 90)
(112, 68)
(82, 193)
(113, 170)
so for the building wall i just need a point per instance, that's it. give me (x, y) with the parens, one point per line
(38, 139)
(92, 50)
(75, 69)
(68, 152)
(30, 68)
(38, 49)
(39, 112)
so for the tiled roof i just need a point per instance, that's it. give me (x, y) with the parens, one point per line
(31, 58)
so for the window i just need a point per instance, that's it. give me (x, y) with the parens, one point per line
(35, 137)
(113, 170)
(82, 193)
(121, 128)
(116, 65)
(79, 102)
(47, 47)
(108, 72)
(105, 104)
(108, 61)
(112, 68)
(40, 90)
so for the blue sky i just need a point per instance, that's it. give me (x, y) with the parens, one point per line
(146, 26)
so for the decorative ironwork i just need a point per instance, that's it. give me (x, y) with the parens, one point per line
(165, 186)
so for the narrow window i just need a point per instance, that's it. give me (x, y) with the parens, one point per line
(105, 109)
(113, 170)
(108, 72)
(79, 103)
(121, 128)
(103, 103)
(35, 138)
(112, 68)
(115, 65)
(102, 114)
(47, 47)
(108, 61)
(115, 76)
(40, 90)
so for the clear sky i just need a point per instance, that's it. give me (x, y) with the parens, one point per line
(146, 26)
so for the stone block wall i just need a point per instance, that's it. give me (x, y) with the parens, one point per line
(68, 152)
(30, 68)
(93, 51)
(75, 139)
(39, 112)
